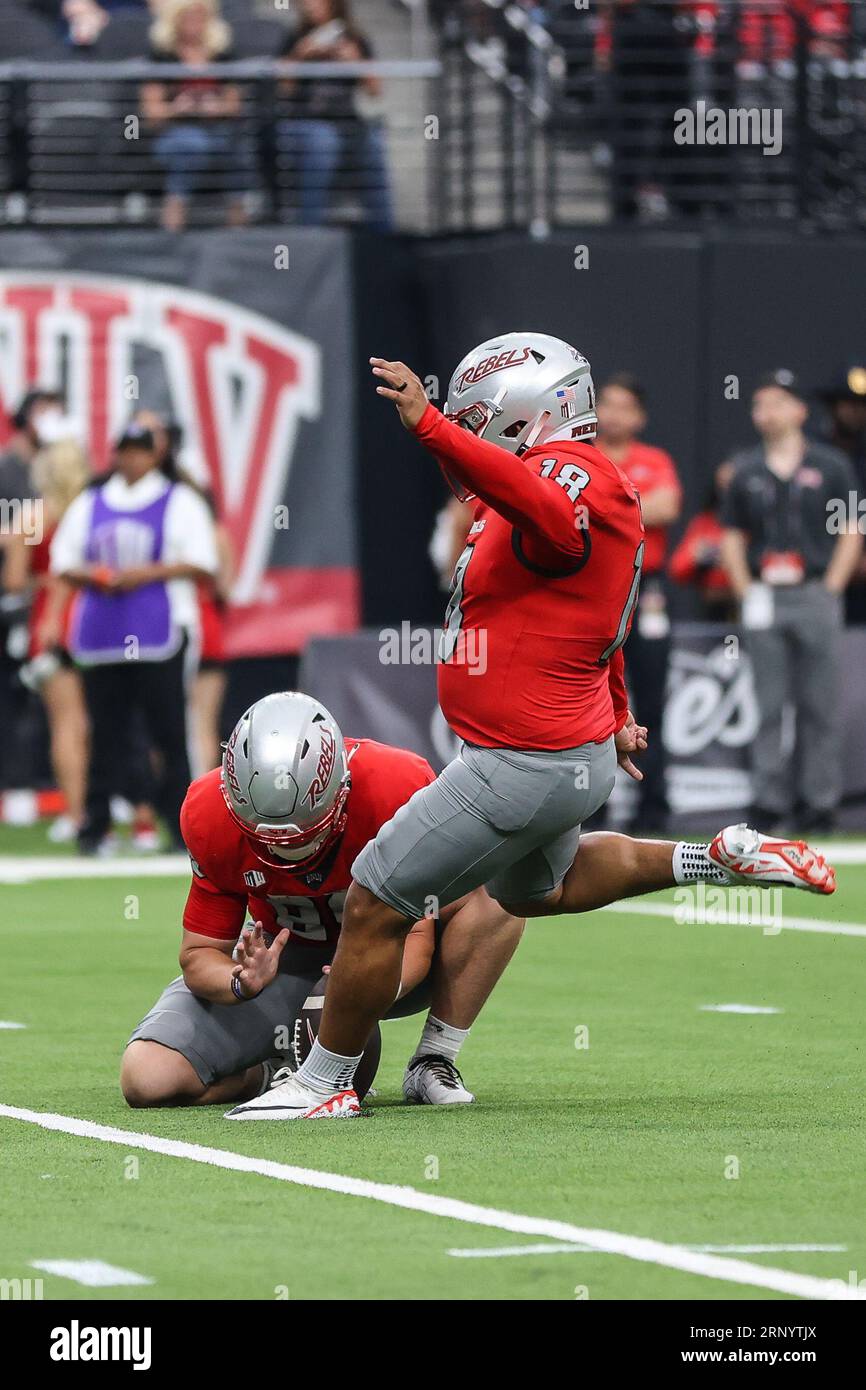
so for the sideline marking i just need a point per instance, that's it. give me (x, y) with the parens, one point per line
(489, 1252)
(38, 868)
(94, 1274)
(633, 907)
(35, 869)
(737, 1009)
(654, 1252)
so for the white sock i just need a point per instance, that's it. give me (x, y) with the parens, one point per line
(325, 1072)
(440, 1040)
(692, 864)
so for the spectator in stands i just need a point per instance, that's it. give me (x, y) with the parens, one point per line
(82, 22)
(196, 116)
(325, 130)
(697, 560)
(60, 471)
(789, 567)
(649, 61)
(135, 544)
(622, 419)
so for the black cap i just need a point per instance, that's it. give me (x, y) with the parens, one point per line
(848, 385)
(785, 379)
(35, 396)
(135, 437)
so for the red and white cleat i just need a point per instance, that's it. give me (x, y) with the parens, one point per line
(289, 1099)
(750, 857)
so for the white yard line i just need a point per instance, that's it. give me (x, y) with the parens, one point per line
(737, 1009)
(5, 1023)
(493, 1252)
(654, 1252)
(93, 1274)
(635, 907)
(848, 852)
(39, 869)
(23, 870)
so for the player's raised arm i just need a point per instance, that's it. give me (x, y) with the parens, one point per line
(507, 396)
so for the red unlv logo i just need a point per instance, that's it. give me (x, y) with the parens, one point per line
(323, 770)
(239, 383)
(515, 357)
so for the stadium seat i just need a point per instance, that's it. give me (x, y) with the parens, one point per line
(126, 36)
(258, 38)
(24, 34)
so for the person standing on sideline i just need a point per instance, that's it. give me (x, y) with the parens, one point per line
(59, 473)
(845, 402)
(790, 545)
(135, 543)
(622, 419)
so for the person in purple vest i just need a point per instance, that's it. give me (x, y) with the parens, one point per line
(135, 543)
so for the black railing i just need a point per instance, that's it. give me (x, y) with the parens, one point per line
(627, 97)
(747, 112)
(676, 112)
(138, 142)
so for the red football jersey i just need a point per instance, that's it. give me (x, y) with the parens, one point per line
(648, 468)
(543, 594)
(229, 881)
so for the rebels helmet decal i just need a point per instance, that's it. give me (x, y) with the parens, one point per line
(513, 358)
(520, 390)
(229, 769)
(324, 769)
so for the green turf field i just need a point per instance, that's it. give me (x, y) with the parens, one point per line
(634, 1133)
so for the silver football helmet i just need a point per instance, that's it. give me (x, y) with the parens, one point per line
(523, 389)
(285, 777)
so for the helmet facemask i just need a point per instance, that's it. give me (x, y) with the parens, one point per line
(285, 780)
(301, 850)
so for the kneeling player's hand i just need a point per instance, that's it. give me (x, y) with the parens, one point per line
(632, 738)
(402, 387)
(257, 962)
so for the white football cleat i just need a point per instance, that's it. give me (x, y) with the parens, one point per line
(751, 857)
(433, 1080)
(289, 1099)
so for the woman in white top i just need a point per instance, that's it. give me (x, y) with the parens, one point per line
(134, 545)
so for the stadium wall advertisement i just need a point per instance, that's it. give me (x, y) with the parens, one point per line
(234, 335)
(382, 685)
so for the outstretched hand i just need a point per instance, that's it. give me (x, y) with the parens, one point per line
(403, 387)
(257, 962)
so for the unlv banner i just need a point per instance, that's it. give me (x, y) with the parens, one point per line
(383, 685)
(234, 337)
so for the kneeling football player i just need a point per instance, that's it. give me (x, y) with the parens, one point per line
(273, 834)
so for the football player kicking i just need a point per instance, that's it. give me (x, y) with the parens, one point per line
(531, 678)
(274, 833)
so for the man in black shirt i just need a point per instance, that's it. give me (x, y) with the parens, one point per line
(845, 401)
(790, 547)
